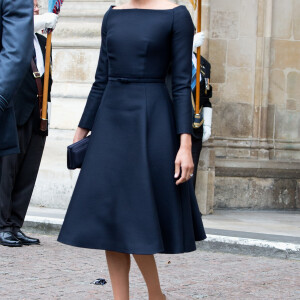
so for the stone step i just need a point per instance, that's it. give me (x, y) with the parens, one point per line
(86, 43)
(74, 67)
(71, 90)
(80, 24)
(65, 115)
(75, 30)
(88, 9)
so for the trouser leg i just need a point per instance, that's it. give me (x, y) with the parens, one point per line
(196, 150)
(9, 170)
(18, 176)
(26, 178)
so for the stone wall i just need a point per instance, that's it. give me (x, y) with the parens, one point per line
(253, 157)
(254, 50)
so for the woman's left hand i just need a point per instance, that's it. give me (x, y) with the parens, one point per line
(184, 160)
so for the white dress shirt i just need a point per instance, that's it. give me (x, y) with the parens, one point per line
(39, 56)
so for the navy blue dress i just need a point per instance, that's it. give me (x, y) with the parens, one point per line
(126, 199)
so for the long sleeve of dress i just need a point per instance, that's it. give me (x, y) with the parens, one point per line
(182, 47)
(16, 47)
(99, 85)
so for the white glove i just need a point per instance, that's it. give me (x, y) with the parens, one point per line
(198, 40)
(45, 21)
(207, 116)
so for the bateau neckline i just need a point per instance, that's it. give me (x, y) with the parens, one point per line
(151, 9)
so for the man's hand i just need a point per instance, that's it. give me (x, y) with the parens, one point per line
(198, 39)
(45, 21)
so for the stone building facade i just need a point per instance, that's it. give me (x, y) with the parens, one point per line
(253, 157)
(254, 49)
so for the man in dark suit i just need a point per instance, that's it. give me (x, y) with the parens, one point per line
(16, 26)
(19, 171)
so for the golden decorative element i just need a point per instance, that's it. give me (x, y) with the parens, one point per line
(194, 3)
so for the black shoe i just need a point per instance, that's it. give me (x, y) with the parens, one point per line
(26, 240)
(7, 238)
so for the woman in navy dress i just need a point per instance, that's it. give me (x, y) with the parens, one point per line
(133, 194)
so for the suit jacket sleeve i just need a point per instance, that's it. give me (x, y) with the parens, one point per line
(99, 85)
(182, 44)
(17, 47)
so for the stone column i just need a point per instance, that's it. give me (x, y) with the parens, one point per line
(205, 185)
(206, 168)
(262, 78)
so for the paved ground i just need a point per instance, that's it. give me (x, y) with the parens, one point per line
(56, 271)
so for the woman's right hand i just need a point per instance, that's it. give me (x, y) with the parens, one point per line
(80, 134)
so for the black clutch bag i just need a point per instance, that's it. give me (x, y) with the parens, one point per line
(76, 153)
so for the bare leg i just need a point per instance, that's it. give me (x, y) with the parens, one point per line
(147, 265)
(119, 266)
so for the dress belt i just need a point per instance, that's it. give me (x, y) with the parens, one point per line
(128, 79)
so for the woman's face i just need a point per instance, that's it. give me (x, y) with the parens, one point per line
(36, 8)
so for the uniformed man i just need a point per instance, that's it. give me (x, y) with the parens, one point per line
(202, 134)
(19, 171)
